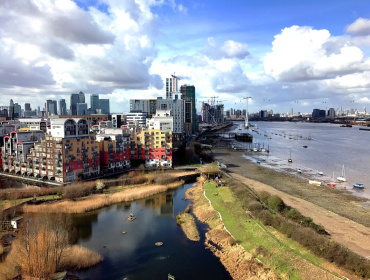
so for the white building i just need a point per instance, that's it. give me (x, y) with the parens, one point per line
(136, 117)
(162, 120)
(177, 107)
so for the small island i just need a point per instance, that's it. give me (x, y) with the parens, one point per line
(187, 222)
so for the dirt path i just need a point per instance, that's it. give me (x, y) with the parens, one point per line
(344, 231)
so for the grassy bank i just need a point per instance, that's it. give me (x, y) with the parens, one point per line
(285, 256)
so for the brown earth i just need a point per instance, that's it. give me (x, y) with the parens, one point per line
(340, 213)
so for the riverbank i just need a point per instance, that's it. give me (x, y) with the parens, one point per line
(237, 261)
(340, 213)
(250, 250)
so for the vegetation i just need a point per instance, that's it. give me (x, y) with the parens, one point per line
(270, 210)
(187, 223)
(98, 201)
(42, 247)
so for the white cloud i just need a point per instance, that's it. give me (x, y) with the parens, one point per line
(303, 53)
(361, 27)
(230, 49)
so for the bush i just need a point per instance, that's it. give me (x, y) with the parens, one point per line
(264, 196)
(265, 217)
(254, 206)
(275, 203)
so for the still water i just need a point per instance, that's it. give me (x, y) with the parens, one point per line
(332, 148)
(134, 255)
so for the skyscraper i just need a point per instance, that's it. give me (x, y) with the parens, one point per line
(104, 106)
(171, 86)
(62, 108)
(81, 97)
(81, 109)
(94, 102)
(75, 98)
(188, 94)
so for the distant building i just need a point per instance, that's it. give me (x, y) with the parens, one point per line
(148, 106)
(171, 86)
(94, 102)
(104, 106)
(139, 117)
(81, 109)
(177, 106)
(62, 108)
(163, 121)
(188, 94)
(81, 97)
(318, 114)
(75, 98)
(331, 113)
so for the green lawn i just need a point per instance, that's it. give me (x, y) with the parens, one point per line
(280, 251)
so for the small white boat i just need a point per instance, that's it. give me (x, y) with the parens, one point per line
(320, 173)
(343, 177)
(299, 170)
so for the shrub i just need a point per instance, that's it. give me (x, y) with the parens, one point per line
(264, 196)
(254, 206)
(265, 217)
(275, 203)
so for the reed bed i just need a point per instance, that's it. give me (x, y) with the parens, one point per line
(101, 200)
(77, 257)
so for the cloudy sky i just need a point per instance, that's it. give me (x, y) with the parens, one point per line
(284, 54)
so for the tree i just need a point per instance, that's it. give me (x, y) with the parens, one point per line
(43, 241)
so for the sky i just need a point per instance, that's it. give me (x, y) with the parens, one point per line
(283, 54)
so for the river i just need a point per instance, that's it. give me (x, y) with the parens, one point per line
(134, 255)
(332, 148)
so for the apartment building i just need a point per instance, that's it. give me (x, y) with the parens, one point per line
(154, 146)
(114, 147)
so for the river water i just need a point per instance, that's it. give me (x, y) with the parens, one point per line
(134, 255)
(332, 148)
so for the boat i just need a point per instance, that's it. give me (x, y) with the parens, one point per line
(299, 170)
(346, 125)
(258, 161)
(290, 157)
(342, 178)
(332, 184)
(358, 186)
(320, 173)
(314, 182)
(305, 146)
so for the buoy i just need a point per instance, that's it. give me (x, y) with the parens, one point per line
(158, 243)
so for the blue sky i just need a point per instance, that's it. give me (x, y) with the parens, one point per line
(284, 54)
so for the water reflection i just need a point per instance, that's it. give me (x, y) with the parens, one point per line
(134, 255)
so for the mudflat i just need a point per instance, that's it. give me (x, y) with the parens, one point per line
(341, 214)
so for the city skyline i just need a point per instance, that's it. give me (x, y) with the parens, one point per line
(284, 55)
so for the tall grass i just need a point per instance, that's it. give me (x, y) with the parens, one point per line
(77, 257)
(101, 200)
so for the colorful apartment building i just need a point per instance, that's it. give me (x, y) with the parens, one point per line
(67, 152)
(16, 147)
(154, 146)
(114, 147)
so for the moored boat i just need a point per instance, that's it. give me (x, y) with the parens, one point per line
(342, 178)
(358, 186)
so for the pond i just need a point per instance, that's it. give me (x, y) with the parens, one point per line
(134, 255)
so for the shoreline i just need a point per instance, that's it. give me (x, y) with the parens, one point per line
(340, 213)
